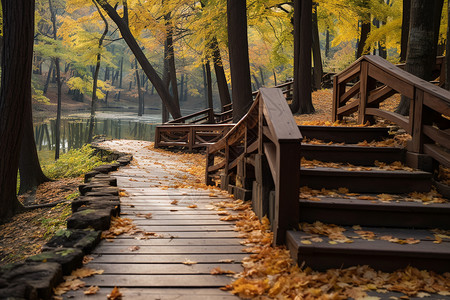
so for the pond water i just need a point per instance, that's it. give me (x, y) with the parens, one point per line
(75, 130)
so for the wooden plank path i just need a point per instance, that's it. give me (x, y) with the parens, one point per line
(154, 268)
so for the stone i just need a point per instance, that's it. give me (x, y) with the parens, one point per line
(112, 181)
(84, 188)
(18, 291)
(112, 190)
(105, 169)
(106, 201)
(69, 258)
(41, 276)
(89, 175)
(97, 219)
(83, 239)
(115, 208)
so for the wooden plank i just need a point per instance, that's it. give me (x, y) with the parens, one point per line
(212, 228)
(392, 79)
(364, 82)
(144, 269)
(439, 101)
(437, 153)
(398, 119)
(350, 93)
(174, 258)
(133, 241)
(278, 115)
(157, 293)
(439, 136)
(163, 249)
(185, 222)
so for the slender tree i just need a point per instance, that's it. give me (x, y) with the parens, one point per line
(96, 71)
(152, 75)
(241, 86)
(317, 56)
(222, 84)
(15, 94)
(302, 101)
(405, 29)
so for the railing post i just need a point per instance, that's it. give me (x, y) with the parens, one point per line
(157, 137)
(191, 138)
(209, 162)
(364, 92)
(336, 99)
(287, 186)
(416, 121)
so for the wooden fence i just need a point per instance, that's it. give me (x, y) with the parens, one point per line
(377, 80)
(261, 153)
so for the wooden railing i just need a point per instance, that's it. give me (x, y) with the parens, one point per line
(261, 153)
(428, 121)
(189, 137)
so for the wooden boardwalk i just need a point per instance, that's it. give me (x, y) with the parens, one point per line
(156, 268)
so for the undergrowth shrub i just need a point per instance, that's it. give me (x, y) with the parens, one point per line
(74, 163)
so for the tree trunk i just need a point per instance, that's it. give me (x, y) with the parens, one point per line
(182, 89)
(209, 84)
(365, 30)
(257, 85)
(222, 84)
(447, 50)
(59, 85)
(317, 56)
(421, 57)
(31, 174)
(239, 61)
(406, 14)
(15, 95)
(151, 73)
(95, 77)
(47, 81)
(327, 43)
(120, 78)
(171, 62)
(138, 83)
(261, 75)
(302, 101)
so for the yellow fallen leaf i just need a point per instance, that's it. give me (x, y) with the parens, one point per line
(174, 202)
(85, 272)
(192, 206)
(134, 248)
(306, 242)
(115, 294)
(218, 271)
(92, 290)
(189, 262)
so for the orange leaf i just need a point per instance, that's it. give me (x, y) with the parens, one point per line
(115, 294)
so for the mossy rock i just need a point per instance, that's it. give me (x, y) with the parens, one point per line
(97, 219)
(84, 239)
(69, 258)
(42, 277)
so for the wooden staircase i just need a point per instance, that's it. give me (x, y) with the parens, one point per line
(377, 220)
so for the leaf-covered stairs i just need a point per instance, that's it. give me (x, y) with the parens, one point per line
(356, 207)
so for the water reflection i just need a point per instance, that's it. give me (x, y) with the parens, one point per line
(75, 131)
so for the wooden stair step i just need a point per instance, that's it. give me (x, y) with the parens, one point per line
(341, 134)
(362, 181)
(375, 213)
(379, 254)
(353, 154)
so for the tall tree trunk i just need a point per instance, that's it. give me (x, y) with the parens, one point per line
(421, 57)
(317, 56)
(59, 85)
(120, 78)
(257, 85)
(140, 98)
(95, 77)
(406, 14)
(222, 84)
(302, 101)
(182, 88)
(15, 95)
(239, 62)
(47, 81)
(209, 84)
(447, 50)
(171, 62)
(365, 30)
(327, 43)
(151, 73)
(31, 174)
(261, 75)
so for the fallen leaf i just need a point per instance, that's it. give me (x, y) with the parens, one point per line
(66, 286)
(218, 271)
(306, 242)
(189, 262)
(192, 206)
(174, 202)
(85, 272)
(92, 290)
(134, 248)
(115, 294)
(227, 261)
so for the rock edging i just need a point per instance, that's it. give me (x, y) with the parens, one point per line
(91, 213)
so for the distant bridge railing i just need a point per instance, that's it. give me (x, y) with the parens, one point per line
(260, 155)
(428, 122)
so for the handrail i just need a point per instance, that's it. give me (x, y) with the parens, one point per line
(280, 86)
(262, 153)
(379, 80)
(206, 111)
